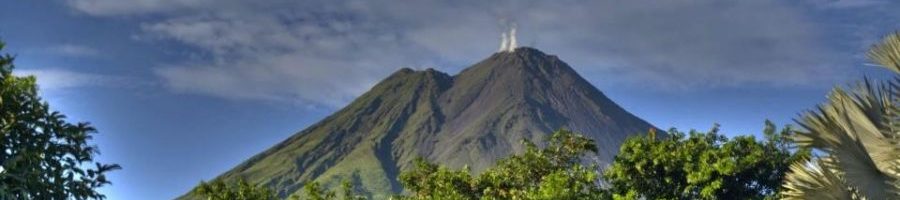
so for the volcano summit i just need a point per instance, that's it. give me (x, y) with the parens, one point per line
(473, 118)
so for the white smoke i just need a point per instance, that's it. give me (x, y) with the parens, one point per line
(503, 42)
(508, 39)
(512, 38)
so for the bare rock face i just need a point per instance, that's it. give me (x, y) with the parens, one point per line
(474, 118)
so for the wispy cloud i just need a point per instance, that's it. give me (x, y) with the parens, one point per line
(842, 4)
(58, 79)
(133, 7)
(328, 52)
(73, 50)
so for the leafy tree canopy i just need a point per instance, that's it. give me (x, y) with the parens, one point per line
(554, 172)
(315, 191)
(694, 165)
(702, 165)
(241, 190)
(41, 155)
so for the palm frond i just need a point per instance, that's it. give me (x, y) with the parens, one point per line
(848, 129)
(887, 53)
(859, 132)
(813, 180)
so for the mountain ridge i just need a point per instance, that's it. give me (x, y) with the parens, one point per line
(472, 118)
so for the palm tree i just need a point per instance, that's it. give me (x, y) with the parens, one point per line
(856, 136)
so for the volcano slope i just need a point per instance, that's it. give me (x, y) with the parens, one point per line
(473, 118)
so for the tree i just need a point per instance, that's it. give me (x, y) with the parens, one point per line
(241, 190)
(553, 172)
(430, 181)
(219, 190)
(858, 135)
(349, 192)
(314, 191)
(41, 155)
(702, 165)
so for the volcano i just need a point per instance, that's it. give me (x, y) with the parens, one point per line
(473, 118)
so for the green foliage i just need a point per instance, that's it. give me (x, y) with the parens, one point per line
(681, 166)
(315, 191)
(241, 190)
(41, 155)
(219, 190)
(702, 166)
(430, 181)
(554, 172)
(348, 191)
(858, 133)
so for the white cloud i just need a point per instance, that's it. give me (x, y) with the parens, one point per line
(73, 50)
(328, 52)
(843, 4)
(59, 79)
(284, 78)
(258, 57)
(133, 7)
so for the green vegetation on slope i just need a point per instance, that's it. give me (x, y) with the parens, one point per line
(241, 190)
(41, 155)
(353, 144)
(697, 165)
(554, 172)
(219, 190)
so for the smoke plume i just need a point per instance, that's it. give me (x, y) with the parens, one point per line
(508, 39)
(503, 42)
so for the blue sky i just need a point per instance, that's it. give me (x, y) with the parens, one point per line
(182, 90)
